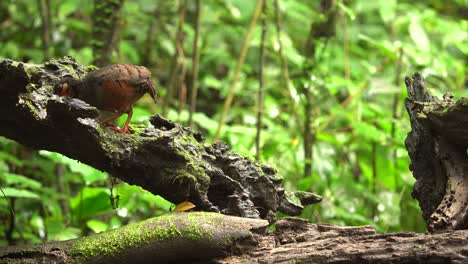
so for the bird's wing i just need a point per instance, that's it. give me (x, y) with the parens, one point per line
(122, 72)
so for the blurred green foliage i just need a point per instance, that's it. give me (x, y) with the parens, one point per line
(360, 164)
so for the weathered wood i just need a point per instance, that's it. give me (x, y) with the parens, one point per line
(437, 147)
(210, 238)
(165, 159)
(296, 241)
(172, 238)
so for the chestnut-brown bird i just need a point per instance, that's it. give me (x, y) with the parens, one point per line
(113, 88)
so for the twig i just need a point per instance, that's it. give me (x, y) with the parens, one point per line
(240, 63)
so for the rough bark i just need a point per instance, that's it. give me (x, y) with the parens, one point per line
(215, 238)
(172, 238)
(437, 147)
(165, 159)
(297, 241)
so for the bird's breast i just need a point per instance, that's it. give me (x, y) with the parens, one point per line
(117, 95)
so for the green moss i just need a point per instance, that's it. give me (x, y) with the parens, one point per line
(293, 199)
(92, 67)
(193, 169)
(31, 69)
(191, 226)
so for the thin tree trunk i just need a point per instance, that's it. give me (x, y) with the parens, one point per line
(195, 63)
(44, 10)
(62, 189)
(284, 67)
(309, 135)
(260, 82)
(346, 61)
(150, 39)
(180, 84)
(107, 15)
(177, 82)
(374, 176)
(396, 116)
(240, 63)
(323, 29)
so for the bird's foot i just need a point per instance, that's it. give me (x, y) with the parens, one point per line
(123, 130)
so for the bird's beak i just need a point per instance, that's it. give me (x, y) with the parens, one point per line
(152, 91)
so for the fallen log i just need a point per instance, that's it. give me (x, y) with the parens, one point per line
(215, 238)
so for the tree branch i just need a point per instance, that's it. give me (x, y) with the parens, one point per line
(165, 159)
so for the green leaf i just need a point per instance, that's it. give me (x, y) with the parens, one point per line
(90, 174)
(97, 226)
(348, 11)
(129, 51)
(419, 36)
(368, 131)
(383, 46)
(13, 192)
(10, 158)
(387, 10)
(91, 202)
(66, 234)
(202, 120)
(20, 180)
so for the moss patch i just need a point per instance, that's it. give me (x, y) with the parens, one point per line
(191, 226)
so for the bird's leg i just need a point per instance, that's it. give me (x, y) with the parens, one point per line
(129, 117)
(123, 130)
(106, 121)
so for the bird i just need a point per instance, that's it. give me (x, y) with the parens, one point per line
(113, 88)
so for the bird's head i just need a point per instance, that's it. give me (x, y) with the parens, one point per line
(149, 87)
(66, 87)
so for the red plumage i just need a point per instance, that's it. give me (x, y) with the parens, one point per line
(112, 88)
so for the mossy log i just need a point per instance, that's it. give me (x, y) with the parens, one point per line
(172, 238)
(437, 146)
(165, 159)
(200, 237)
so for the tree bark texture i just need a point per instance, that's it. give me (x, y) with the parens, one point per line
(172, 238)
(214, 238)
(165, 159)
(437, 147)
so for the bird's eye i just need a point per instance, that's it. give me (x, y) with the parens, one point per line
(143, 87)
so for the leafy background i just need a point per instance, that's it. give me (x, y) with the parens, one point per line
(359, 164)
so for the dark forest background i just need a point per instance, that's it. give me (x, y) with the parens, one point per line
(313, 88)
